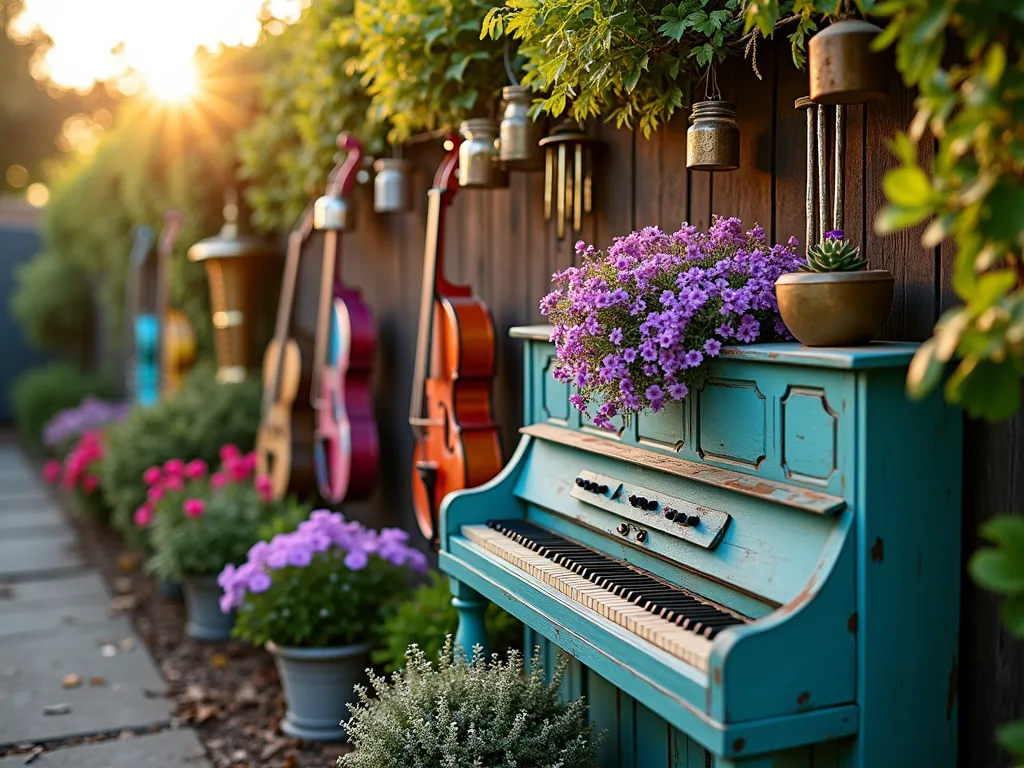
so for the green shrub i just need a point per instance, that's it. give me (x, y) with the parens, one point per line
(428, 616)
(52, 303)
(468, 713)
(192, 424)
(41, 393)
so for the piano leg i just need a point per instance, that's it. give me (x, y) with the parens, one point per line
(471, 607)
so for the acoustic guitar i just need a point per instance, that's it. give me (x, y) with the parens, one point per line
(177, 341)
(346, 445)
(142, 372)
(284, 442)
(450, 411)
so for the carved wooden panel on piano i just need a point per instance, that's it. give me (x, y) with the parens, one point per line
(821, 513)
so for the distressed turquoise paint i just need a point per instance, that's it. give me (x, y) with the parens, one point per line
(733, 419)
(471, 632)
(820, 679)
(809, 435)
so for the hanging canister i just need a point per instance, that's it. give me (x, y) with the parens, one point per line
(713, 138)
(519, 134)
(391, 185)
(479, 160)
(843, 68)
(244, 273)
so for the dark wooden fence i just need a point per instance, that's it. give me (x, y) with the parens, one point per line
(500, 244)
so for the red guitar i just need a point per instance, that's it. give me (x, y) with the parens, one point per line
(345, 445)
(450, 412)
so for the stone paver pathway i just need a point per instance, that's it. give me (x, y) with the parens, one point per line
(54, 623)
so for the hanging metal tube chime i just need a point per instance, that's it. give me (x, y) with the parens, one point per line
(818, 198)
(568, 176)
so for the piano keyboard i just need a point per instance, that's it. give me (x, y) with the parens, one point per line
(666, 616)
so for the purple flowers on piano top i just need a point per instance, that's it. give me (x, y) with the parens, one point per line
(89, 415)
(335, 573)
(633, 327)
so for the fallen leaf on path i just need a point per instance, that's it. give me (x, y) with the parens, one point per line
(56, 709)
(291, 762)
(71, 681)
(247, 694)
(96, 681)
(195, 692)
(218, 661)
(108, 651)
(206, 712)
(128, 644)
(31, 756)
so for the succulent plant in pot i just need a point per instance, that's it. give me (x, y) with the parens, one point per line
(834, 301)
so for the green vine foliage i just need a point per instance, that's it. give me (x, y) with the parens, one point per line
(627, 60)
(310, 98)
(423, 63)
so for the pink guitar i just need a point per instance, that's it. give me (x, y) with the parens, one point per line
(346, 446)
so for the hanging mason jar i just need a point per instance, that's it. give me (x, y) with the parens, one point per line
(520, 134)
(843, 68)
(713, 138)
(391, 185)
(479, 161)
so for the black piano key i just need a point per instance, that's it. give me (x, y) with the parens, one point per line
(664, 600)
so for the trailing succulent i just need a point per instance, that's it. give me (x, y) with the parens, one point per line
(834, 254)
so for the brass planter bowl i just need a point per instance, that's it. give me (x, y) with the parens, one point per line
(835, 309)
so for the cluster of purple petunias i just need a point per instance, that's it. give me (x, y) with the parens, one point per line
(324, 533)
(633, 326)
(89, 415)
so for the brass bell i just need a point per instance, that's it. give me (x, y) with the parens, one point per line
(713, 138)
(244, 273)
(479, 160)
(843, 68)
(519, 134)
(391, 185)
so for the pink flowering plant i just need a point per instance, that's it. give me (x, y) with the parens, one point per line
(326, 584)
(199, 521)
(634, 327)
(80, 472)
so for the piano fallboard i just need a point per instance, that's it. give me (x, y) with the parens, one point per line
(797, 519)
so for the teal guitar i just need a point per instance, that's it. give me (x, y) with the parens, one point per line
(142, 366)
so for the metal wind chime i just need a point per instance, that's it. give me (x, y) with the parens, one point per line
(568, 176)
(818, 221)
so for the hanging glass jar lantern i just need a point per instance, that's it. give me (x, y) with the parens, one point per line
(479, 160)
(391, 185)
(520, 135)
(713, 138)
(568, 175)
(843, 68)
(244, 273)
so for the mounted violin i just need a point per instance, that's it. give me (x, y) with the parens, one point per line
(142, 370)
(284, 442)
(345, 445)
(450, 411)
(177, 340)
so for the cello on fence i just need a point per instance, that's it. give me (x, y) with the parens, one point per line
(450, 410)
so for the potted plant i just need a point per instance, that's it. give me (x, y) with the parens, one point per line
(79, 473)
(468, 712)
(199, 523)
(834, 300)
(314, 598)
(633, 327)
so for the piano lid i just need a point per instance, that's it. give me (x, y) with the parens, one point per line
(877, 354)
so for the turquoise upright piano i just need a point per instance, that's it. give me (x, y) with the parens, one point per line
(766, 575)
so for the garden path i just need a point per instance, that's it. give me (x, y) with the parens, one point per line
(77, 687)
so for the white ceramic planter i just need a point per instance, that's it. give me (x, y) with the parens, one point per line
(318, 685)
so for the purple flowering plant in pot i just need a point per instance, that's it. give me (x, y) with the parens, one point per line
(634, 327)
(316, 598)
